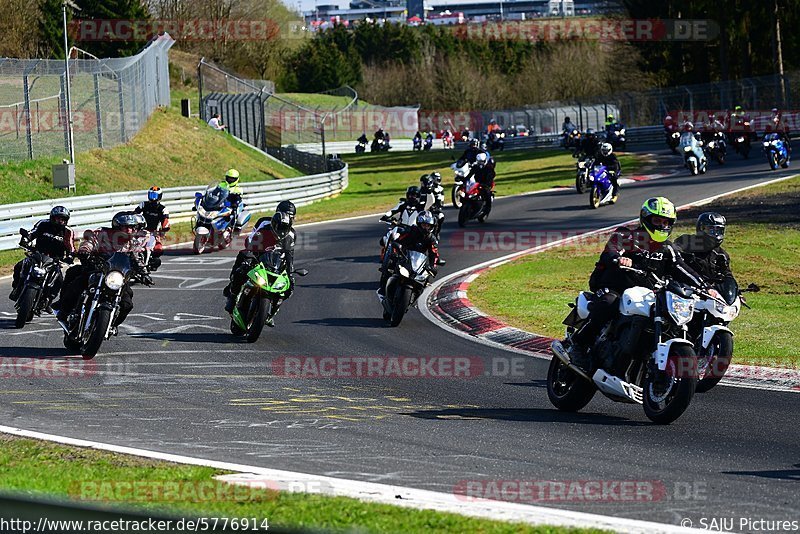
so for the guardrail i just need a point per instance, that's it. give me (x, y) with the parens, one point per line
(92, 211)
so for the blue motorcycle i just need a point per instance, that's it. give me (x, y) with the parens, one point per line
(776, 151)
(215, 223)
(601, 190)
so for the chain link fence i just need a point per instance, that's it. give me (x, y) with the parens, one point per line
(111, 101)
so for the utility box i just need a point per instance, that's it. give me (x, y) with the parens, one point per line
(64, 176)
(186, 108)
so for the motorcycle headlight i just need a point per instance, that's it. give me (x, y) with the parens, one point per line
(278, 285)
(766, 143)
(114, 280)
(622, 131)
(39, 271)
(680, 309)
(581, 164)
(404, 272)
(711, 144)
(687, 149)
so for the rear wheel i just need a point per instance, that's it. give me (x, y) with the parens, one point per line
(259, 311)
(25, 306)
(719, 354)
(402, 297)
(102, 318)
(667, 394)
(566, 390)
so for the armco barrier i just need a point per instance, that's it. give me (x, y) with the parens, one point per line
(95, 210)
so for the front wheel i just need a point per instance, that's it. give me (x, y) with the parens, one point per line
(720, 353)
(667, 394)
(97, 333)
(566, 390)
(594, 197)
(457, 201)
(259, 317)
(402, 298)
(199, 245)
(25, 306)
(463, 215)
(580, 182)
(773, 160)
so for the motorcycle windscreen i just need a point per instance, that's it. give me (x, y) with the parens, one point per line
(729, 289)
(273, 260)
(119, 261)
(214, 198)
(418, 261)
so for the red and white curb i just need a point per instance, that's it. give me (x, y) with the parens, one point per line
(447, 305)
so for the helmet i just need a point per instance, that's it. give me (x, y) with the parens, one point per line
(474, 143)
(738, 108)
(280, 224)
(127, 221)
(426, 181)
(412, 194)
(668, 118)
(610, 117)
(606, 149)
(286, 206)
(698, 136)
(59, 215)
(688, 126)
(481, 159)
(483, 146)
(154, 194)
(662, 208)
(426, 222)
(232, 176)
(567, 119)
(711, 225)
(437, 177)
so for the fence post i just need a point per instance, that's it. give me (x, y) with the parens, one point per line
(120, 91)
(200, 90)
(62, 111)
(98, 110)
(27, 94)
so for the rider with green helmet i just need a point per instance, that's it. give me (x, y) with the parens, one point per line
(231, 183)
(645, 247)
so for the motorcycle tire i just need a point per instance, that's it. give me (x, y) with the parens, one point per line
(402, 298)
(199, 244)
(25, 306)
(594, 197)
(235, 330)
(456, 199)
(566, 390)
(682, 361)
(723, 342)
(463, 215)
(261, 312)
(102, 318)
(580, 182)
(773, 160)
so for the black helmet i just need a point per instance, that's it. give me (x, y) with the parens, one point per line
(127, 220)
(474, 143)
(281, 223)
(59, 215)
(287, 206)
(567, 119)
(426, 222)
(426, 181)
(712, 225)
(436, 177)
(413, 194)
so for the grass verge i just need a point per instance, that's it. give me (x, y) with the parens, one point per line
(764, 243)
(33, 467)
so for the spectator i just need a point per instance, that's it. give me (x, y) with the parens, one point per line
(216, 123)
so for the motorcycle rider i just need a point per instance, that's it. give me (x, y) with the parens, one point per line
(605, 156)
(411, 200)
(276, 232)
(470, 153)
(417, 140)
(432, 197)
(53, 237)
(567, 127)
(780, 127)
(231, 183)
(588, 146)
(156, 218)
(419, 238)
(610, 122)
(484, 173)
(124, 235)
(703, 250)
(646, 246)
(363, 139)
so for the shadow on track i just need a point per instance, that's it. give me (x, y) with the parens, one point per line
(528, 415)
(779, 474)
(38, 353)
(361, 259)
(355, 285)
(190, 337)
(361, 322)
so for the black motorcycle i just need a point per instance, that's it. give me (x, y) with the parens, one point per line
(411, 273)
(741, 141)
(673, 140)
(39, 272)
(90, 322)
(717, 148)
(615, 134)
(583, 167)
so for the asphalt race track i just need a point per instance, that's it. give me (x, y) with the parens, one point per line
(176, 381)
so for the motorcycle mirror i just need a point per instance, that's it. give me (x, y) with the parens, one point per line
(23, 232)
(198, 195)
(301, 272)
(753, 288)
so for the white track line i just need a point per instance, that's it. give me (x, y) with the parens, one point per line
(379, 493)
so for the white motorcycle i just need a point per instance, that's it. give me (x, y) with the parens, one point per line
(215, 221)
(693, 155)
(457, 194)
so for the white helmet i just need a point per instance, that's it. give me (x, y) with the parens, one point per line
(481, 159)
(606, 149)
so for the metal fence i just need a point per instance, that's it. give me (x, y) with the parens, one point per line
(111, 101)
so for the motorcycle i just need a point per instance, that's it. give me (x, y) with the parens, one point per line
(673, 140)
(379, 145)
(713, 340)
(38, 273)
(717, 148)
(583, 167)
(643, 356)
(496, 141)
(693, 156)
(411, 275)
(417, 144)
(90, 323)
(457, 194)
(447, 142)
(741, 141)
(361, 147)
(776, 151)
(408, 218)
(570, 140)
(601, 191)
(428, 142)
(267, 282)
(214, 224)
(472, 203)
(615, 134)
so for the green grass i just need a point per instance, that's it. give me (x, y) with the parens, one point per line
(532, 293)
(171, 150)
(35, 467)
(317, 100)
(378, 180)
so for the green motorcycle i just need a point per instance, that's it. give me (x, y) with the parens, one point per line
(255, 304)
